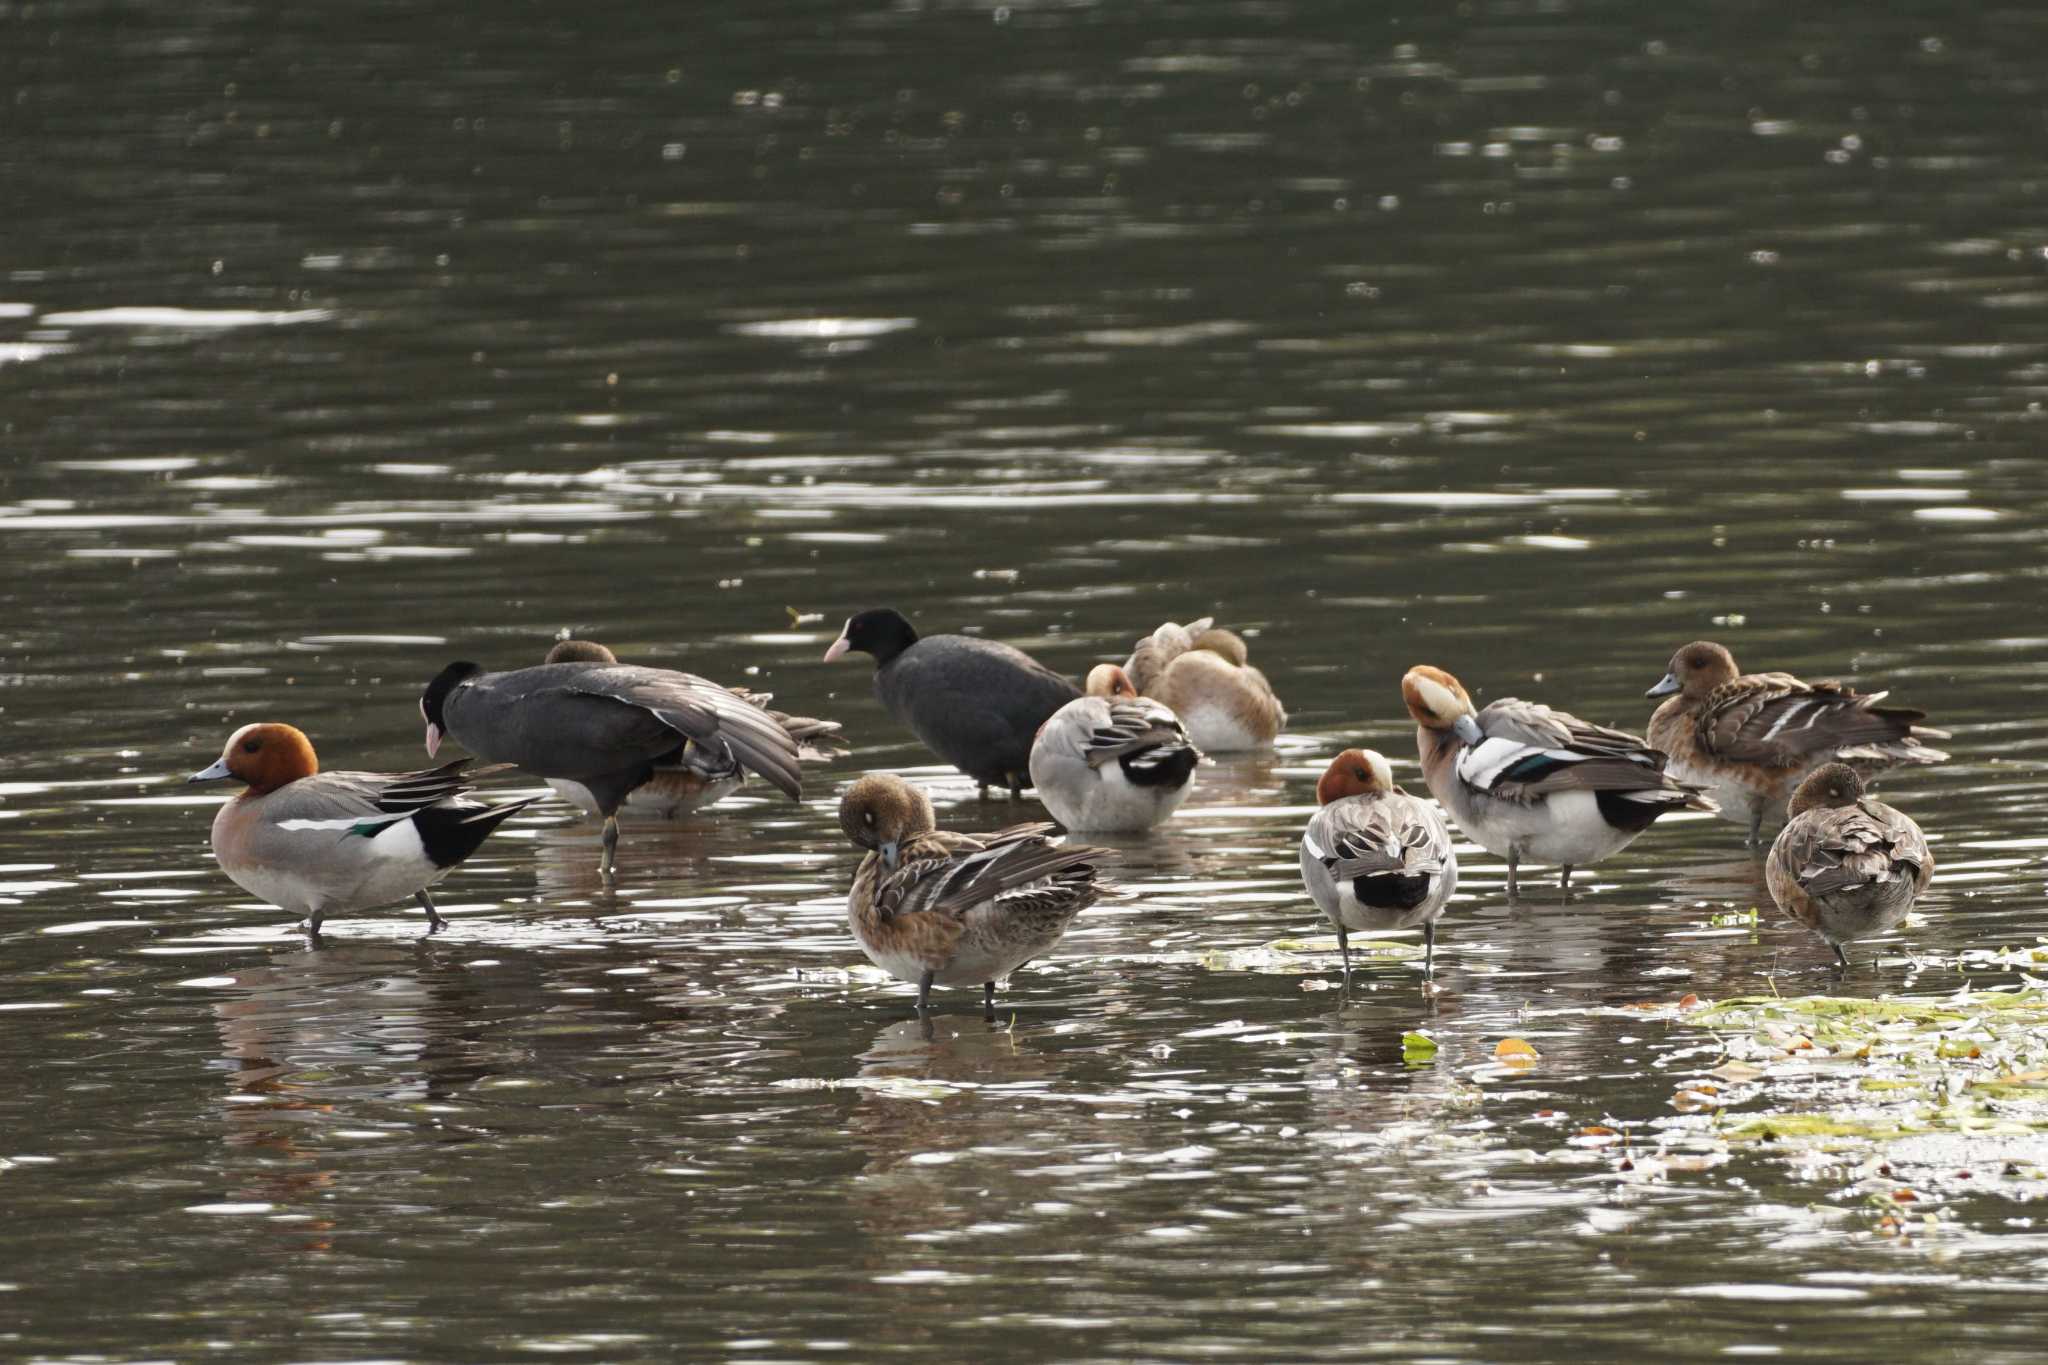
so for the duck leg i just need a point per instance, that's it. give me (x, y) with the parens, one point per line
(435, 924)
(1841, 957)
(607, 865)
(988, 1001)
(313, 926)
(1513, 894)
(1564, 884)
(924, 995)
(1429, 951)
(1756, 827)
(1344, 947)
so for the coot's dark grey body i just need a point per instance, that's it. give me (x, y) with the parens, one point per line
(604, 726)
(975, 703)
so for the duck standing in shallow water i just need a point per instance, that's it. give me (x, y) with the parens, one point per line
(936, 908)
(1205, 675)
(1530, 784)
(319, 843)
(608, 728)
(1112, 760)
(1751, 738)
(975, 703)
(1375, 857)
(695, 775)
(1846, 865)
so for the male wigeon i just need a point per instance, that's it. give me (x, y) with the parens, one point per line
(1112, 760)
(319, 843)
(1530, 784)
(696, 775)
(975, 703)
(937, 908)
(1375, 857)
(1846, 865)
(607, 727)
(1205, 674)
(1750, 738)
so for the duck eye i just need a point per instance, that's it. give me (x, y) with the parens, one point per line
(868, 816)
(250, 746)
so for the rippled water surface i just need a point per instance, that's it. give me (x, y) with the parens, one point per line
(1528, 340)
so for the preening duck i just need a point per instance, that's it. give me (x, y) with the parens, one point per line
(1530, 784)
(1751, 738)
(695, 775)
(936, 908)
(1374, 857)
(1205, 675)
(607, 727)
(1112, 760)
(1846, 865)
(319, 844)
(975, 703)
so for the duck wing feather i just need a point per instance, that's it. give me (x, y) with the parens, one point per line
(1778, 720)
(1530, 750)
(949, 874)
(1393, 835)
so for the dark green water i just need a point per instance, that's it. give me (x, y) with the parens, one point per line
(1528, 340)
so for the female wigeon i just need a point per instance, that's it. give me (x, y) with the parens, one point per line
(607, 727)
(319, 843)
(1750, 738)
(1530, 784)
(938, 908)
(1112, 760)
(1846, 865)
(1205, 675)
(695, 775)
(975, 703)
(1375, 857)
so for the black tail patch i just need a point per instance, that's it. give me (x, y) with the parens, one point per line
(1617, 810)
(451, 833)
(1391, 891)
(1159, 767)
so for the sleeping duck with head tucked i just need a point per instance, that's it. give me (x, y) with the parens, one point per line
(1530, 784)
(1112, 760)
(1751, 738)
(1205, 675)
(936, 908)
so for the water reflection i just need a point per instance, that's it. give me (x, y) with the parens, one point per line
(1527, 340)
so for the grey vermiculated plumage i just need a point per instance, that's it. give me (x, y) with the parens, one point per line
(607, 726)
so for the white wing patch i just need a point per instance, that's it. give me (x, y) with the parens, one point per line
(1484, 765)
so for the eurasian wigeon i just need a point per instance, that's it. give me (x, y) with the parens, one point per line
(1751, 738)
(1846, 865)
(695, 775)
(1112, 760)
(937, 908)
(607, 727)
(1205, 674)
(1530, 784)
(1375, 857)
(975, 703)
(319, 843)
